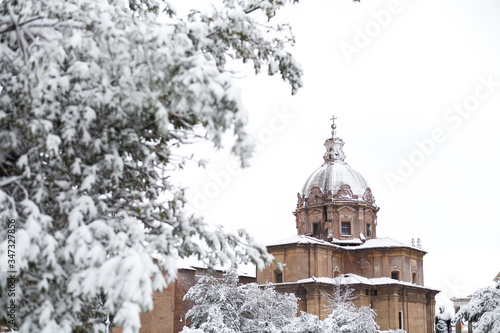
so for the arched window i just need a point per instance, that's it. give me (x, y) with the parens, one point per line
(414, 277)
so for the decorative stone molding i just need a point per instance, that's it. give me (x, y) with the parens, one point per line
(346, 207)
(316, 196)
(368, 197)
(344, 193)
(300, 199)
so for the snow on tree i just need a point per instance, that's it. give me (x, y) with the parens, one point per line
(344, 316)
(483, 310)
(94, 95)
(221, 305)
(305, 323)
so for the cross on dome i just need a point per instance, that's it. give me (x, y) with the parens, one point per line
(333, 146)
(333, 125)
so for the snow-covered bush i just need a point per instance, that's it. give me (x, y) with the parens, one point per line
(344, 316)
(483, 310)
(349, 319)
(94, 95)
(221, 305)
(305, 323)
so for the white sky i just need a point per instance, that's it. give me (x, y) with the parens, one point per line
(396, 91)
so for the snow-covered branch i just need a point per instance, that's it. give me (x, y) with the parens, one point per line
(94, 94)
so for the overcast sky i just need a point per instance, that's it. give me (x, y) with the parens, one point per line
(415, 87)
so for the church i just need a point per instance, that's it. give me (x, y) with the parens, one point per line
(337, 243)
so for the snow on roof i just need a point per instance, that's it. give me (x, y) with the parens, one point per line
(350, 244)
(354, 241)
(193, 264)
(181, 265)
(385, 242)
(347, 279)
(302, 239)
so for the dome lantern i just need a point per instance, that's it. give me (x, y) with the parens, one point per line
(334, 146)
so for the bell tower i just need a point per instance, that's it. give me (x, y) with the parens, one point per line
(336, 204)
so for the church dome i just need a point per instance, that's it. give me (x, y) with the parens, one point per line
(335, 178)
(330, 176)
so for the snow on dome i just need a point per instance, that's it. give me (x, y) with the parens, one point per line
(330, 176)
(335, 172)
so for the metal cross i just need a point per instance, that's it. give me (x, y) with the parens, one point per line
(333, 121)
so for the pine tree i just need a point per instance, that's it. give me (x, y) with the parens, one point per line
(483, 310)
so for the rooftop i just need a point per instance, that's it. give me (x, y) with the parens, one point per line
(385, 242)
(348, 279)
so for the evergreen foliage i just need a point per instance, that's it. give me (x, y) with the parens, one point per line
(94, 96)
(483, 310)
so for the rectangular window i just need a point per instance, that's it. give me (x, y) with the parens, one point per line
(400, 319)
(315, 229)
(279, 277)
(346, 228)
(369, 230)
(395, 275)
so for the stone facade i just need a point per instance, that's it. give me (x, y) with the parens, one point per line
(305, 257)
(408, 307)
(385, 274)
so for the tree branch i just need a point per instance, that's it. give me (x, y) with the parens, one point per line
(18, 32)
(14, 25)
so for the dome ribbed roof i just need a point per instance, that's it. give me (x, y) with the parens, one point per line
(330, 176)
